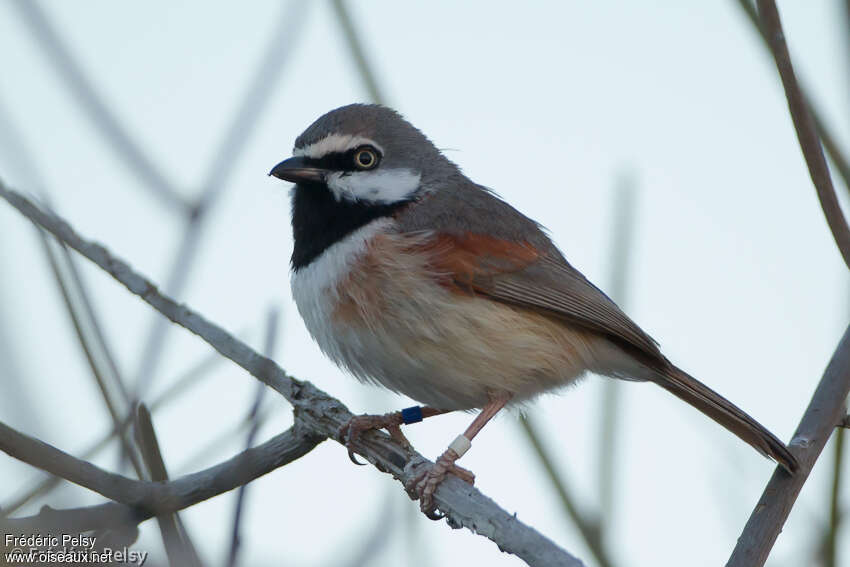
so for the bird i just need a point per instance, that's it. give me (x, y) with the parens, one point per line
(411, 276)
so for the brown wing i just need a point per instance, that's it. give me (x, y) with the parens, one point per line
(522, 275)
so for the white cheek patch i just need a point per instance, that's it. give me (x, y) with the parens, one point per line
(378, 186)
(334, 143)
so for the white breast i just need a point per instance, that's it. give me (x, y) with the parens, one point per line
(315, 287)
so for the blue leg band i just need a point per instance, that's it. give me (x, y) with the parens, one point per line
(411, 415)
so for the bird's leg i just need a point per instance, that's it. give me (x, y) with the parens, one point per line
(392, 422)
(426, 483)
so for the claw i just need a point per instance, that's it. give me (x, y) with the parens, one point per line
(425, 484)
(354, 460)
(433, 515)
(350, 432)
(398, 436)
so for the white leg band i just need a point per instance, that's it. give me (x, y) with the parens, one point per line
(460, 445)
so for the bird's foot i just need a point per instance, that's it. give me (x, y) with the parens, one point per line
(425, 484)
(351, 431)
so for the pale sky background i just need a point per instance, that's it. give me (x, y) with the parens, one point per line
(734, 269)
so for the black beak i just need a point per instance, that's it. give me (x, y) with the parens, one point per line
(297, 170)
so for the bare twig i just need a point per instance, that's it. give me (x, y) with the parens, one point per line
(138, 500)
(178, 544)
(115, 394)
(842, 164)
(590, 530)
(77, 301)
(97, 329)
(180, 385)
(824, 411)
(827, 404)
(805, 127)
(88, 350)
(322, 414)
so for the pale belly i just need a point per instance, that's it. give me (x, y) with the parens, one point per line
(373, 309)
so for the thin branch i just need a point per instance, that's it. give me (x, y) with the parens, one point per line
(825, 410)
(807, 134)
(137, 500)
(88, 349)
(827, 405)
(322, 414)
(355, 45)
(50, 482)
(47, 458)
(109, 367)
(590, 530)
(77, 301)
(94, 322)
(842, 164)
(179, 386)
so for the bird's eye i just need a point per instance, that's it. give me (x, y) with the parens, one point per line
(365, 158)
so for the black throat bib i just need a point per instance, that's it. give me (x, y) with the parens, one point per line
(319, 220)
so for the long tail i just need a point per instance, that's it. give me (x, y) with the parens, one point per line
(727, 414)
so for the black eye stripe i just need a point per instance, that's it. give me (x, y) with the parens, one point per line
(343, 161)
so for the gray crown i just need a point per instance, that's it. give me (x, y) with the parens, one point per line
(403, 144)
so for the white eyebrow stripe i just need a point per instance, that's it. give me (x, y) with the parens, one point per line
(334, 143)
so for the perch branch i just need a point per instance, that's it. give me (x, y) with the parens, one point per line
(324, 415)
(824, 411)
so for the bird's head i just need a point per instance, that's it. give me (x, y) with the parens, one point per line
(367, 154)
(354, 165)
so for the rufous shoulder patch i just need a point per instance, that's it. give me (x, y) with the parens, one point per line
(469, 257)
